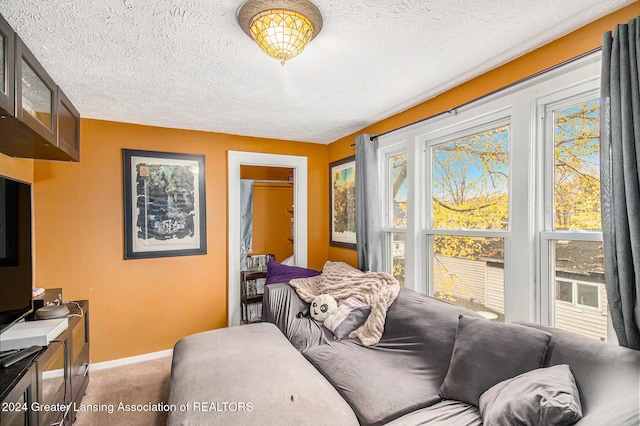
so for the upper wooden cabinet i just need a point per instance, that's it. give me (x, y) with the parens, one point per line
(37, 118)
(7, 65)
(36, 101)
(68, 126)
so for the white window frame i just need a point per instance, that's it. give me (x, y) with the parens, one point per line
(526, 298)
(584, 91)
(388, 228)
(430, 141)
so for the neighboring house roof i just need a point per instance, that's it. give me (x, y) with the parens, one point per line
(581, 260)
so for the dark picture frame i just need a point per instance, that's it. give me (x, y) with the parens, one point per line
(342, 203)
(164, 204)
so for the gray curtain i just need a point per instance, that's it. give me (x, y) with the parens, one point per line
(368, 217)
(620, 181)
(246, 221)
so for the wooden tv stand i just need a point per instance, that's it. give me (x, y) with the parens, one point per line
(56, 377)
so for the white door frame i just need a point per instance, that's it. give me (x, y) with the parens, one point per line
(300, 185)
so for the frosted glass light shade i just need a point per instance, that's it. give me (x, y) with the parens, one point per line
(281, 28)
(281, 34)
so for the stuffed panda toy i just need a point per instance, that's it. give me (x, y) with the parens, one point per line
(323, 306)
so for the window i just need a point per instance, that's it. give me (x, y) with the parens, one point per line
(564, 291)
(398, 188)
(576, 166)
(396, 217)
(574, 264)
(469, 181)
(499, 207)
(469, 192)
(588, 295)
(577, 293)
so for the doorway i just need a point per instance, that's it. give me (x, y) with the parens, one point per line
(273, 209)
(237, 161)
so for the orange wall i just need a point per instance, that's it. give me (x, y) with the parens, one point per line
(265, 173)
(580, 41)
(272, 220)
(16, 168)
(146, 305)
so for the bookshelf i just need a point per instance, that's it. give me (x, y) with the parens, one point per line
(252, 282)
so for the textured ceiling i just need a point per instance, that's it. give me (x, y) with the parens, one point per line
(187, 64)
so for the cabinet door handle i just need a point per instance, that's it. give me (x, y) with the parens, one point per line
(86, 369)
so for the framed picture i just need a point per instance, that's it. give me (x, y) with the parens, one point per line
(342, 199)
(164, 204)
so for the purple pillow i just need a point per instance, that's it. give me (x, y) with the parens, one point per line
(279, 273)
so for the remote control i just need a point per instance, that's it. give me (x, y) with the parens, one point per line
(12, 359)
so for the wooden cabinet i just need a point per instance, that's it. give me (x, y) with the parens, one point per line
(20, 395)
(36, 100)
(78, 347)
(63, 369)
(7, 65)
(39, 121)
(52, 376)
(55, 377)
(68, 126)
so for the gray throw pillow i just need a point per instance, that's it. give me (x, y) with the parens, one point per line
(486, 353)
(546, 396)
(350, 315)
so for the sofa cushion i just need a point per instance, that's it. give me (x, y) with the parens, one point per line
(444, 413)
(486, 353)
(545, 396)
(279, 273)
(403, 371)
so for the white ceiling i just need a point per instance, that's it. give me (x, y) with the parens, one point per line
(187, 64)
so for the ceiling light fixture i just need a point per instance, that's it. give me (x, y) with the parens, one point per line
(282, 28)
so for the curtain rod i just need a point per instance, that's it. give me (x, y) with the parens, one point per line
(522, 80)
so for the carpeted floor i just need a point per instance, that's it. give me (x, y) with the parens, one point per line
(114, 393)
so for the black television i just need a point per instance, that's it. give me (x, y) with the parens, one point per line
(16, 272)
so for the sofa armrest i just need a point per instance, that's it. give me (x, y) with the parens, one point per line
(282, 306)
(606, 375)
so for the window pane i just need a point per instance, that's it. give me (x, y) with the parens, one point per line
(396, 243)
(588, 295)
(398, 188)
(470, 181)
(564, 291)
(469, 272)
(581, 264)
(576, 186)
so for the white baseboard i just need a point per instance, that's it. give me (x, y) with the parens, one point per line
(130, 360)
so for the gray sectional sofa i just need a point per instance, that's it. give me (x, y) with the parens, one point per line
(398, 381)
